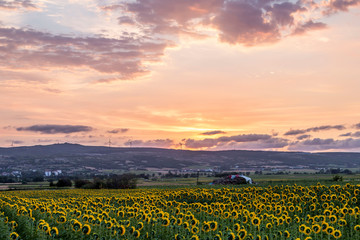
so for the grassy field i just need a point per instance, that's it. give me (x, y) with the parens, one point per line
(260, 180)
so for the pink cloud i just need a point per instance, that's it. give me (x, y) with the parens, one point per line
(27, 49)
(238, 22)
(340, 5)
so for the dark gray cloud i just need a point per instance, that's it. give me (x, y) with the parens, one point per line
(54, 129)
(119, 130)
(213, 132)
(314, 129)
(161, 143)
(357, 126)
(318, 144)
(17, 4)
(28, 49)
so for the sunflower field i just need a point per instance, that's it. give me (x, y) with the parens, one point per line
(277, 212)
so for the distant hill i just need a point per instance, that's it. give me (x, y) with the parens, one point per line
(76, 157)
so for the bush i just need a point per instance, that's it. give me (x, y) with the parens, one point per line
(125, 181)
(337, 178)
(64, 182)
(79, 183)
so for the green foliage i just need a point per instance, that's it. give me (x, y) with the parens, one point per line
(64, 182)
(337, 178)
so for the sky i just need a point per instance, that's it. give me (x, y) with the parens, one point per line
(277, 75)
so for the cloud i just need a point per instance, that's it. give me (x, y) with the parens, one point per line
(125, 57)
(237, 22)
(294, 132)
(118, 130)
(54, 129)
(318, 144)
(327, 127)
(161, 143)
(272, 143)
(357, 126)
(301, 137)
(350, 134)
(17, 4)
(213, 132)
(314, 129)
(212, 142)
(310, 25)
(334, 6)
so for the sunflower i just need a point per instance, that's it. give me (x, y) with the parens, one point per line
(256, 221)
(242, 233)
(86, 229)
(236, 227)
(136, 233)
(330, 230)
(194, 230)
(76, 226)
(342, 222)
(140, 226)
(286, 234)
(121, 230)
(302, 228)
(54, 232)
(217, 237)
(165, 222)
(194, 237)
(231, 236)
(332, 218)
(324, 226)
(337, 234)
(357, 228)
(307, 231)
(316, 228)
(213, 225)
(14, 235)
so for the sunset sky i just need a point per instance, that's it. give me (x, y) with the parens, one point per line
(277, 75)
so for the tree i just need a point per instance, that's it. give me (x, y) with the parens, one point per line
(125, 181)
(79, 183)
(64, 182)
